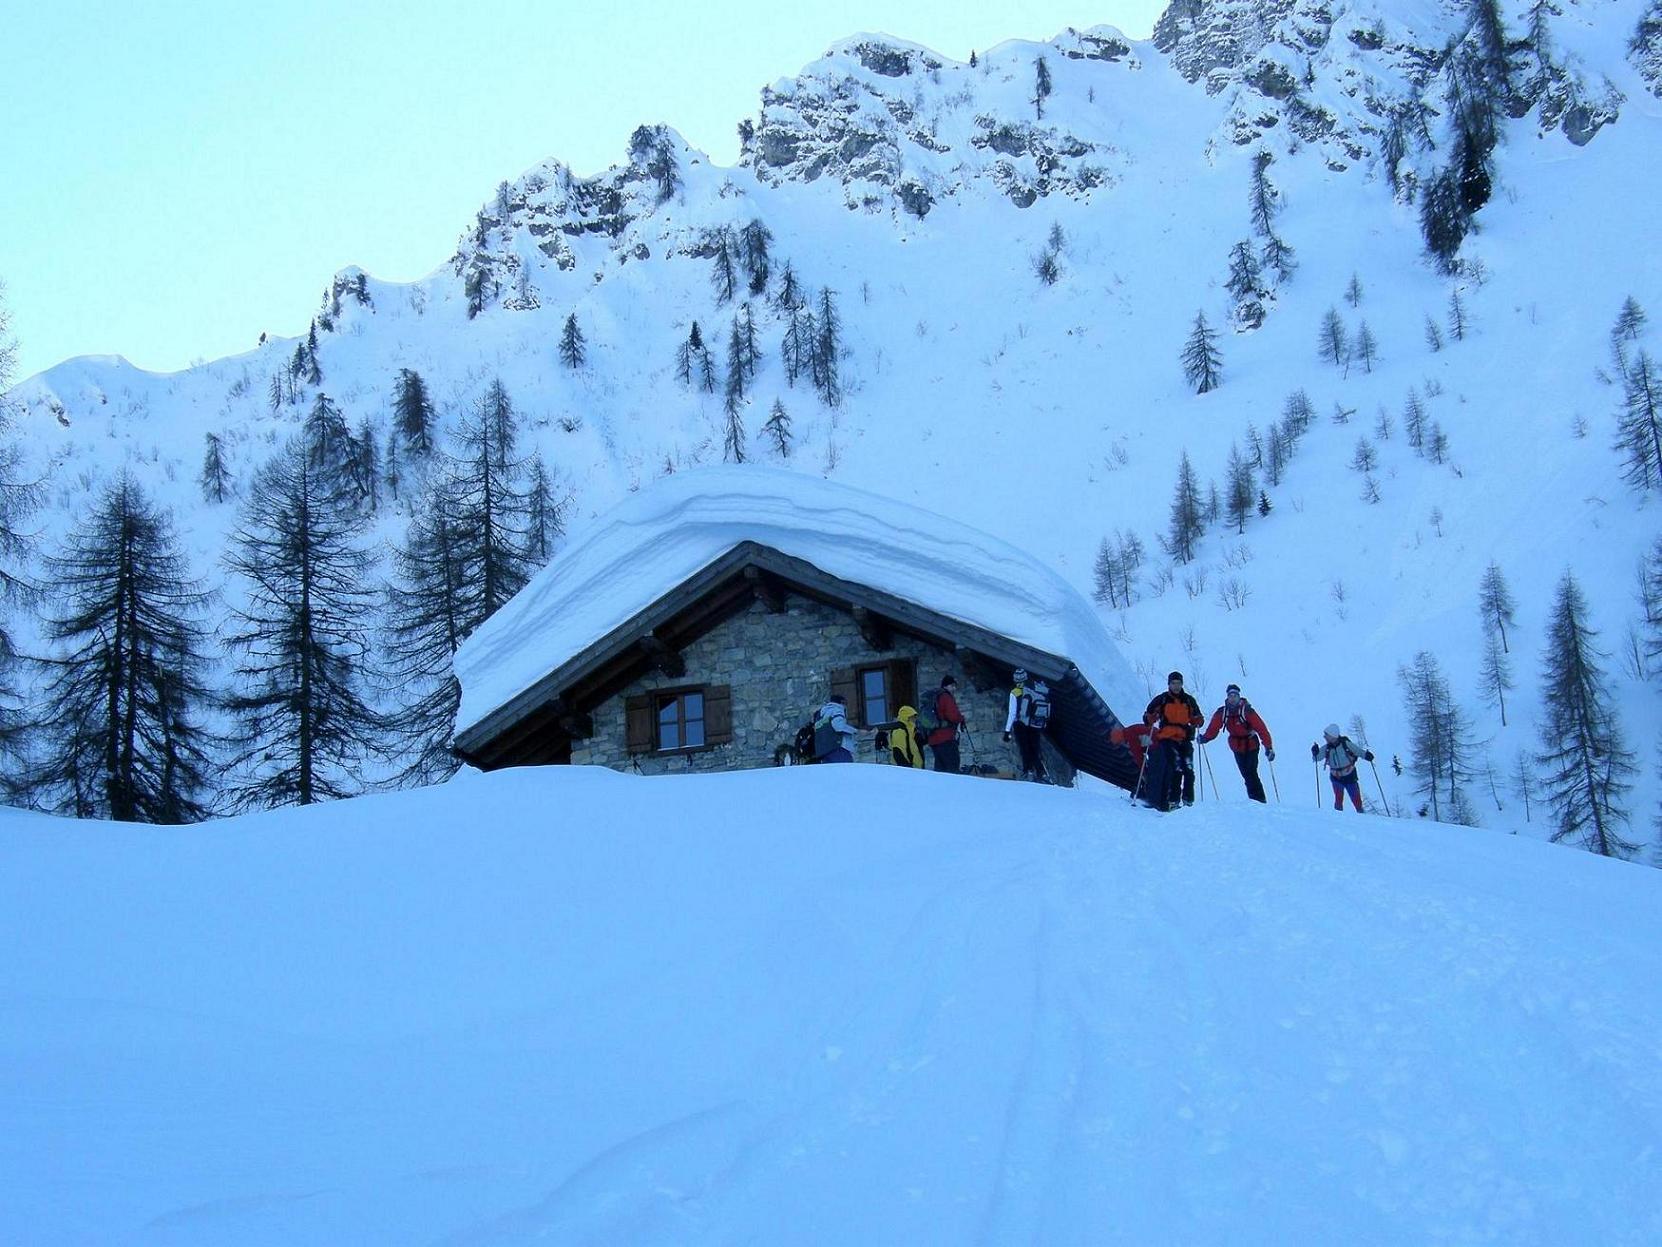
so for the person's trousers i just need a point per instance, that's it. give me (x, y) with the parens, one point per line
(1032, 758)
(1247, 761)
(946, 756)
(1351, 784)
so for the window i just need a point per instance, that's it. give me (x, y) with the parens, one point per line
(874, 695)
(681, 720)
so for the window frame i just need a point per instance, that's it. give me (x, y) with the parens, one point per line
(886, 670)
(660, 699)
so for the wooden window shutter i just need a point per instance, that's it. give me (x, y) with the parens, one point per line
(639, 724)
(843, 681)
(718, 714)
(903, 684)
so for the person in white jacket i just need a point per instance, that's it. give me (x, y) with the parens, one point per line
(834, 735)
(1024, 721)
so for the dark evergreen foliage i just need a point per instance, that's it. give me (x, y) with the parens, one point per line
(120, 733)
(755, 244)
(216, 477)
(778, 429)
(1641, 423)
(1186, 523)
(1202, 361)
(1440, 758)
(826, 349)
(1041, 86)
(413, 416)
(303, 726)
(1588, 767)
(573, 353)
(1495, 606)
(724, 277)
(1240, 489)
(1444, 220)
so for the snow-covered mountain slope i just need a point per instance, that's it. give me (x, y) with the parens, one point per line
(865, 1006)
(922, 191)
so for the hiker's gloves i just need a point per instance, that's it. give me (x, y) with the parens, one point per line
(1270, 754)
(1007, 736)
(1315, 752)
(1368, 757)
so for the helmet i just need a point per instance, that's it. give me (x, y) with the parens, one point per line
(1331, 731)
(1019, 675)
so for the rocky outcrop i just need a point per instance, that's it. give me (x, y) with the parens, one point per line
(900, 129)
(1645, 48)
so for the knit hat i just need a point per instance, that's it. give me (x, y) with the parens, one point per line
(1233, 688)
(1175, 675)
(1019, 675)
(1331, 731)
(949, 680)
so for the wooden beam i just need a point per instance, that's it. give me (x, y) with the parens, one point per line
(766, 589)
(875, 629)
(664, 658)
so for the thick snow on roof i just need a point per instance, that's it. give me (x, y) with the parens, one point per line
(632, 555)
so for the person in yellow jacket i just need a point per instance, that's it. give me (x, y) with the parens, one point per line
(904, 746)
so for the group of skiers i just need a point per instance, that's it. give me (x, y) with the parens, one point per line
(1161, 746)
(939, 724)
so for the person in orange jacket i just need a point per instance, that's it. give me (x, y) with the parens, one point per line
(1173, 715)
(1245, 729)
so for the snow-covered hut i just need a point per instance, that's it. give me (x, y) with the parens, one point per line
(698, 624)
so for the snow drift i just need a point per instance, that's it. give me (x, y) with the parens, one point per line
(567, 1005)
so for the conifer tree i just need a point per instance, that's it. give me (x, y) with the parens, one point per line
(1263, 197)
(18, 500)
(216, 477)
(723, 274)
(1041, 86)
(120, 729)
(1436, 443)
(328, 440)
(749, 352)
(1494, 674)
(544, 514)
(393, 469)
(303, 726)
(1630, 321)
(692, 360)
(1495, 606)
(1264, 506)
(1242, 488)
(364, 466)
(483, 487)
(1413, 421)
(1641, 423)
(1444, 220)
(1202, 362)
(1493, 63)
(1440, 760)
(789, 296)
(1366, 347)
(1277, 454)
(1433, 335)
(732, 445)
(425, 624)
(1186, 524)
(1588, 767)
(413, 413)
(797, 344)
(274, 392)
(1103, 573)
(1332, 342)
(1366, 458)
(778, 429)
(1459, 320)
(823, 363)
(1353, 291)
(572, 352)
(755, 244)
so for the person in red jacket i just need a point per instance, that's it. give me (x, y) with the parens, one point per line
(1173, 715)
(1237, 717)
(1134, 736)
(943, 741)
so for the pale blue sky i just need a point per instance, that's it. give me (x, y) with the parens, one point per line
(177, 177)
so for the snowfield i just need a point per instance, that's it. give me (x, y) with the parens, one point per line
(835, 1005)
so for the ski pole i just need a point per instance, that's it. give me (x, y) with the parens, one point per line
(1381, 788)
(1140, 771)
(1277, 786)
(1207, 759)
(1316, 771)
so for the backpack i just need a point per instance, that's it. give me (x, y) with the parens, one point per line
(826, 737)
(1038, 707)
(929, 713)
(802, 747)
